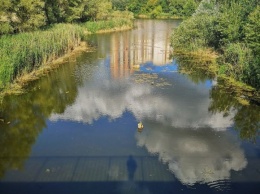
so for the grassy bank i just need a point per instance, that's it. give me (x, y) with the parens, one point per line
(26, 52)
(108, 26)
(23, 53)
(163, 16)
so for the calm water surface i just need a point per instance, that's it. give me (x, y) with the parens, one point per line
(76, 131)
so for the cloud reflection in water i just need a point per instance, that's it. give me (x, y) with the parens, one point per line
(112, 98)
(194, 156)
(178, 126)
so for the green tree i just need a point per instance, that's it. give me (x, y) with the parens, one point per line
(97, 10)
(52, 11)
(176, 7)
(252, 38)
(252, 29)
(189, 8)
(120, 5)
(30, 15)
(156, 11)
(74, 10)
(194, 34)
(137, 6)
(5, 17)
(58, 11)
(151, 5)
(228, 28)
(20, 16)
(165, 6)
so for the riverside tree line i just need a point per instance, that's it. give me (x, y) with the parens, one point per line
(158, 8)
(231, 29)
(26, 15)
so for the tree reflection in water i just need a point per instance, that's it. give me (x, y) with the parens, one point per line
(246, 117)
(23, 117)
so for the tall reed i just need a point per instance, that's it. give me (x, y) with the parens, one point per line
(22, 53)
(25, 52)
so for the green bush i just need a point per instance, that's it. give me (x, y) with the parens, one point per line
(194, 33)
(238, 59)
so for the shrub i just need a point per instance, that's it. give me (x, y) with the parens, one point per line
(194, 34)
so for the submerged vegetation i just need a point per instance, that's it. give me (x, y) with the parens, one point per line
(230, 29)
(199, 67)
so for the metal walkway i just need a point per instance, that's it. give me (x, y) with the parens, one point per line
(90, 169)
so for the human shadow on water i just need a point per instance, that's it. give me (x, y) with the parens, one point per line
(131, 167)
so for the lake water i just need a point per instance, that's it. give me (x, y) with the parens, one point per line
(75, 131)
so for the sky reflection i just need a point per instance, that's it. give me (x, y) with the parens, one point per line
(194, 156)
(178, 127)
(145, 101)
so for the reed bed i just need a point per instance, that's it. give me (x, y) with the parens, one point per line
(25, 52)
(22, 53)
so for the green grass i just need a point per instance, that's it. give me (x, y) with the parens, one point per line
(25, 52)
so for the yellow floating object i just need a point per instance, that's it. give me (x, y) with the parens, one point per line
(140, 125)
(136, 66)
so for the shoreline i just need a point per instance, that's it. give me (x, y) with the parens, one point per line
(242, 92)
(18, 85)
(116, 29)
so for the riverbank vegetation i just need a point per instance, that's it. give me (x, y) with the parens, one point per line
(161, 9)
(118, 20)
(223, 99)
(33, 33)
(29, 15)
(229, 28)
(22, 53)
